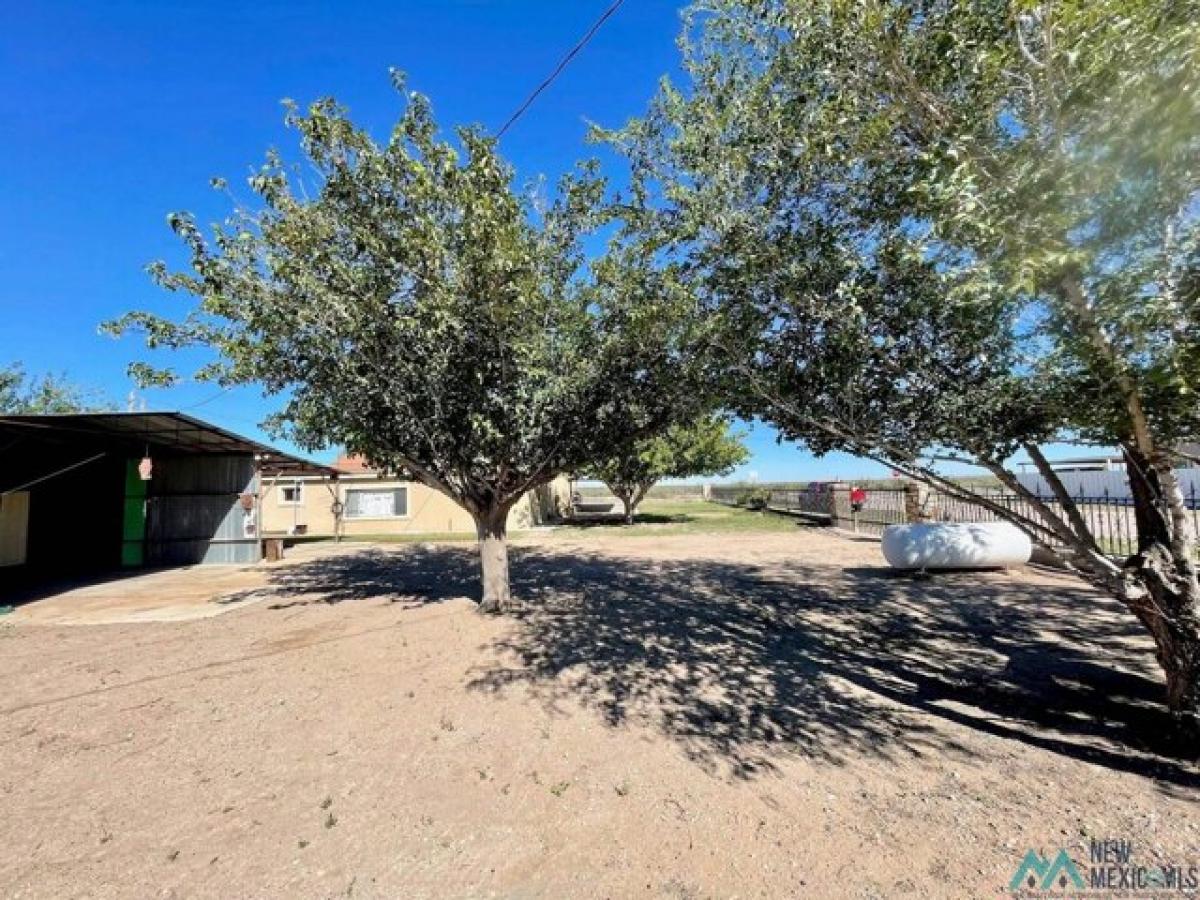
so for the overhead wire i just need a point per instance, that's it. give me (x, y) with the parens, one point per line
(562, 64)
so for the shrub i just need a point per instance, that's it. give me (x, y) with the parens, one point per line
(754, 498)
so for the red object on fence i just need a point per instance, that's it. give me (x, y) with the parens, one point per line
(858, 495)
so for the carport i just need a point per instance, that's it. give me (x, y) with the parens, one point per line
(93, 493)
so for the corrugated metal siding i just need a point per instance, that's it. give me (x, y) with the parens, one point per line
(194, 514)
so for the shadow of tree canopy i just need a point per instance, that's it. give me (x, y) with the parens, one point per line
(740, 662)
(413, 575)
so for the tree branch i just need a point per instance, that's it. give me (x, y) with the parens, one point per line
(1074, 517)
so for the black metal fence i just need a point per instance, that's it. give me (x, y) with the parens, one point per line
(882, 507)
(1110, 519)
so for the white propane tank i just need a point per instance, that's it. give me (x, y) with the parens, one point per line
(956, 545)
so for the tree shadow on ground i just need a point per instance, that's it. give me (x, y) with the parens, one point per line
(739, 663)
(412, 575)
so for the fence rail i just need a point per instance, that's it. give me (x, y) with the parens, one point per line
(1110, 519)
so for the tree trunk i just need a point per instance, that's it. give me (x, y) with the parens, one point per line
(492, 528)
(627, 502)
(1164, 589)
(639, 494)
(1167, 601)
(1183, 690)
(623, 492)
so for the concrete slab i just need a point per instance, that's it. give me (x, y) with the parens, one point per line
(166, 595)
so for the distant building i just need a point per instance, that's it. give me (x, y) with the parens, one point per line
(1115, 463)
(1191, 453)
(1080, 464)
(1105, 476)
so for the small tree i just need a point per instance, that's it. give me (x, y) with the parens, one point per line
(417, 311)
(959, 229)
(706, 446)
(23, 394)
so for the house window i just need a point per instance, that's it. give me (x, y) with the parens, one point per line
(291, 494)
(389, 503)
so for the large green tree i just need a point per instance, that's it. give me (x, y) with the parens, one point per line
(958, 227)
(414, 308)
(705, 446)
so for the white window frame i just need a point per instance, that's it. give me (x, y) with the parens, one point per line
(298, 487)
(375, 490)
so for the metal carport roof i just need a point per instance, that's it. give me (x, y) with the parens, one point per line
(171, 432)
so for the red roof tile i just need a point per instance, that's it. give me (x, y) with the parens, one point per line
(354, 464)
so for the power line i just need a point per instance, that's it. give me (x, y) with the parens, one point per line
(563, 63)
(217, 396)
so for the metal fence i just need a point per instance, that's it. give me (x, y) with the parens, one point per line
(1110, 519)
(832, 504)
(819, 503)
(727, 494)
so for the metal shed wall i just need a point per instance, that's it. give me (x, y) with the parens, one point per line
(194, 513)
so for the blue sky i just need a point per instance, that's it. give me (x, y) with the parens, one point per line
(119, 112)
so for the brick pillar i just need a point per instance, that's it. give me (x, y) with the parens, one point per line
(843, 517)
(914, 501)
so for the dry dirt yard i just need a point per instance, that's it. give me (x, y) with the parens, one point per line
(734, 715)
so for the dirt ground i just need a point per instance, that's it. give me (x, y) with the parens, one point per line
(753, 715)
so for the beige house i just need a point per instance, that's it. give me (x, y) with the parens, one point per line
(361, 501)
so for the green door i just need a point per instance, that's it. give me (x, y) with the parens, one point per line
(133, 534)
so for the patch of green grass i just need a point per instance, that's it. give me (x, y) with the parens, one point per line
(655, 518)
(658, 518)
